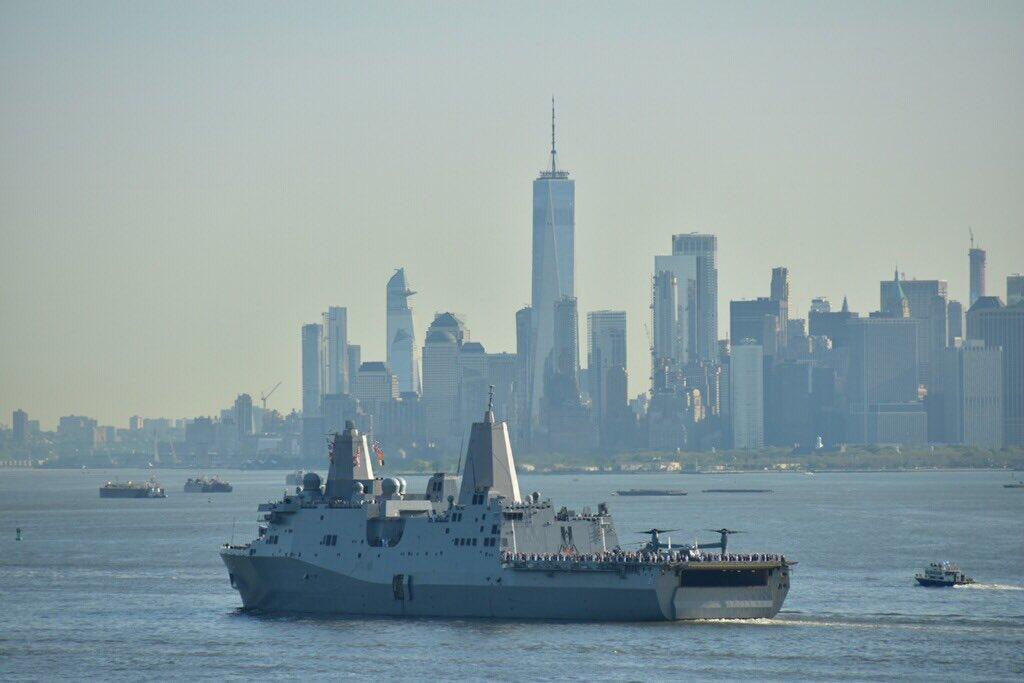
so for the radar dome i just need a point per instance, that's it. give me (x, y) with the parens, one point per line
(357, 488)
(311, 482)
(390, 486)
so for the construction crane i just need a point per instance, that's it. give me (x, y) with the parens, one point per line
(265, 396)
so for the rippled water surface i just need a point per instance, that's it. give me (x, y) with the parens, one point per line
(133, 589)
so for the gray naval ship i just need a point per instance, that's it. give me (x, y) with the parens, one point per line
(362, 545)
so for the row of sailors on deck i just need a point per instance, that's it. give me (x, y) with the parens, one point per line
(641, 557)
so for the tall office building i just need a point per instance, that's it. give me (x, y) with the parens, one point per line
(312, 364)
(554, 225)
(606, 351)
(355, 361)
(977, 267)
(442, 376)
(474, 380)
(503, 373)
(820, 304)
(336, 356)
(927, 300)
(19, 426)
(1003, 326)
(562, 372)
(567, 421)
(243, 415)
(984, 303)
(683, 323)
(705, 248)
(746, 393)
(829, 323)
(313, 427)
(375, 385)
(789, 404)
(1014, 289)
(780, 292)
(882, 381)
(971, 394)
(524, 372)
(665, 339)
(758, 319)
(955, 322)
(76, 434)
(401, 336)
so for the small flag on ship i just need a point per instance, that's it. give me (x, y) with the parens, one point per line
(379, 451)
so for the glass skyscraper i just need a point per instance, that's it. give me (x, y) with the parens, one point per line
(401, 347)
(705, 332)
(554, 225)
(336, 351)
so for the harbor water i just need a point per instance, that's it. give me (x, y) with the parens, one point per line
(133, 589)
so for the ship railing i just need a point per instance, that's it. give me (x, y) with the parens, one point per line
(632, 561)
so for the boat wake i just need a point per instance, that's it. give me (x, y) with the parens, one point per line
(783, 621)
(887, 620)
(992, 587)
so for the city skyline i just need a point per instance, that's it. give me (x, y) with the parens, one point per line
(159, 265)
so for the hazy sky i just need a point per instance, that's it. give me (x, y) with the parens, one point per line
(183, 185)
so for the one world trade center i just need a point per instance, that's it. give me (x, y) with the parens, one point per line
(554, 225)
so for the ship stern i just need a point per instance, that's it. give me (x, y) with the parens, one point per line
(729, 591)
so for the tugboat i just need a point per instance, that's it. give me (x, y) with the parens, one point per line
(138, 489)
(943, 574)
(204, 485)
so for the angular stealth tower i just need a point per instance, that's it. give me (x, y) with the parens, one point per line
(489, 463)
(401, 341)
(554, 225)
(349, 463)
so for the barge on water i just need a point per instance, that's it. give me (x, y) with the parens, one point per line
(650, 492)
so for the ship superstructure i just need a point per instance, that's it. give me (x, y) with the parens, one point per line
(207, 485)
(478, 547)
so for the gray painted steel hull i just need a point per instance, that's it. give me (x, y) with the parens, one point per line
(284, 584)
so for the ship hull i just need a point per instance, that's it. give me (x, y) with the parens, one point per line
(129, 493)
(222, 488)
(939, 583)
(282, 584)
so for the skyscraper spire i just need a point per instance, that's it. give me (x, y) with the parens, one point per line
(554, 154)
